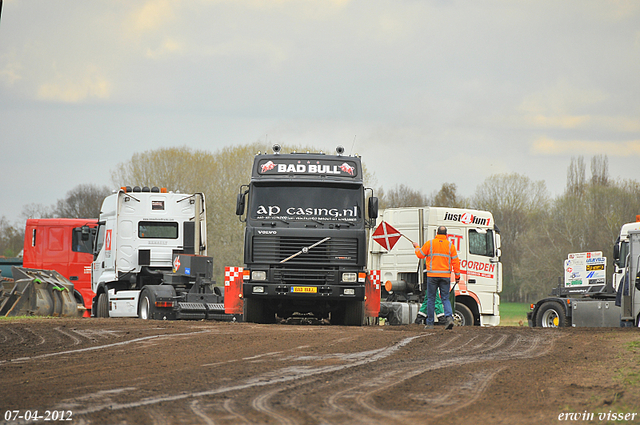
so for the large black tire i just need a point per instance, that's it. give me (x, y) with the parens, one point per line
(551, 314)
(102, 307)
(146, 305)
(257, 311)
(354, 314)
(337, 315)
(462, 316)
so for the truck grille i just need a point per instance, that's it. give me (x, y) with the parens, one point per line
(304, 277)
(273, 249)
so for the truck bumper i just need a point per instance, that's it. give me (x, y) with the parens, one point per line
(292, 292)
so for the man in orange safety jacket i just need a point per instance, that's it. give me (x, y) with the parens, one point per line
(441, 259)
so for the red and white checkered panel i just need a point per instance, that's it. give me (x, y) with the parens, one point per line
(375, 277)
(231, 274)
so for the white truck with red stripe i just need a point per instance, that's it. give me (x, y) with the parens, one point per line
(477, 240)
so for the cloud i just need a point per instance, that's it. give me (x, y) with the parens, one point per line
(562, 99)
(547, 146)
(11, 72)
(73, 90)
(564, 121)
(167, 47)
(152, 15)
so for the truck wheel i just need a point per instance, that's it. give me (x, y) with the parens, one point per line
(256, 311)
(551, 315)
(102, 309)
(354, 315)
(147, 306)
(462, 316)
(337, 315)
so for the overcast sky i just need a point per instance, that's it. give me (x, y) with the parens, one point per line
(427, 92)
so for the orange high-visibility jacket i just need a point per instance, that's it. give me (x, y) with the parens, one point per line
(441, 257)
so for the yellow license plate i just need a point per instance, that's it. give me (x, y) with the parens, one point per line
(304, 289)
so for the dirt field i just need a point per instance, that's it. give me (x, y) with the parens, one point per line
(129, 371)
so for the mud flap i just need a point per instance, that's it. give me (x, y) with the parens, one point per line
(452, 298)
(39, 293)
(233, 302)
(372, 294)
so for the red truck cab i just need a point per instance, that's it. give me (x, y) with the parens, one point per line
(66, 246)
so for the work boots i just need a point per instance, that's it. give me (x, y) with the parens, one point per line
(449, 323)
(420, 319)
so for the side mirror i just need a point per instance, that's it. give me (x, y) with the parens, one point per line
(240, 204)
(85, 232)
(373, 207)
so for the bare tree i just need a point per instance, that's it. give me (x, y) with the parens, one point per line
(448, 196)
(518, 205)
(402, 196)
(11, 238)
(576, 176)
(83, 201)
(600, 170)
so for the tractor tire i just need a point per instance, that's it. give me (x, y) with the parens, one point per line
(551, 315)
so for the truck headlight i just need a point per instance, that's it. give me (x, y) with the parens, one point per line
(349, 277)
(258, 275)
(349, 291)
(258, 289)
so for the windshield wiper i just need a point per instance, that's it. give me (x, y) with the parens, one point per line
(340, 223)
(316, 221)
(277, 218)
(305, 249)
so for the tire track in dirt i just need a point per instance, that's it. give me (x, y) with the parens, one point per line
(280, 376)
(227, 405)
(353, 403)
(262, 405)
(333, 376)
(469, 390)
(97, 347)
(199, 413)
(75, 339)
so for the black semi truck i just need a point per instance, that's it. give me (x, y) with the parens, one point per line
(305, 242)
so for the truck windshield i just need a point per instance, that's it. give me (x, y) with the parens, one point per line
(624, 251)
(297, 202)
(78, 245)
(481, 243)
(157, 230)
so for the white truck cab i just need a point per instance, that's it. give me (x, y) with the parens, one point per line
(621, 250)
(141, 234)
(477, 241)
